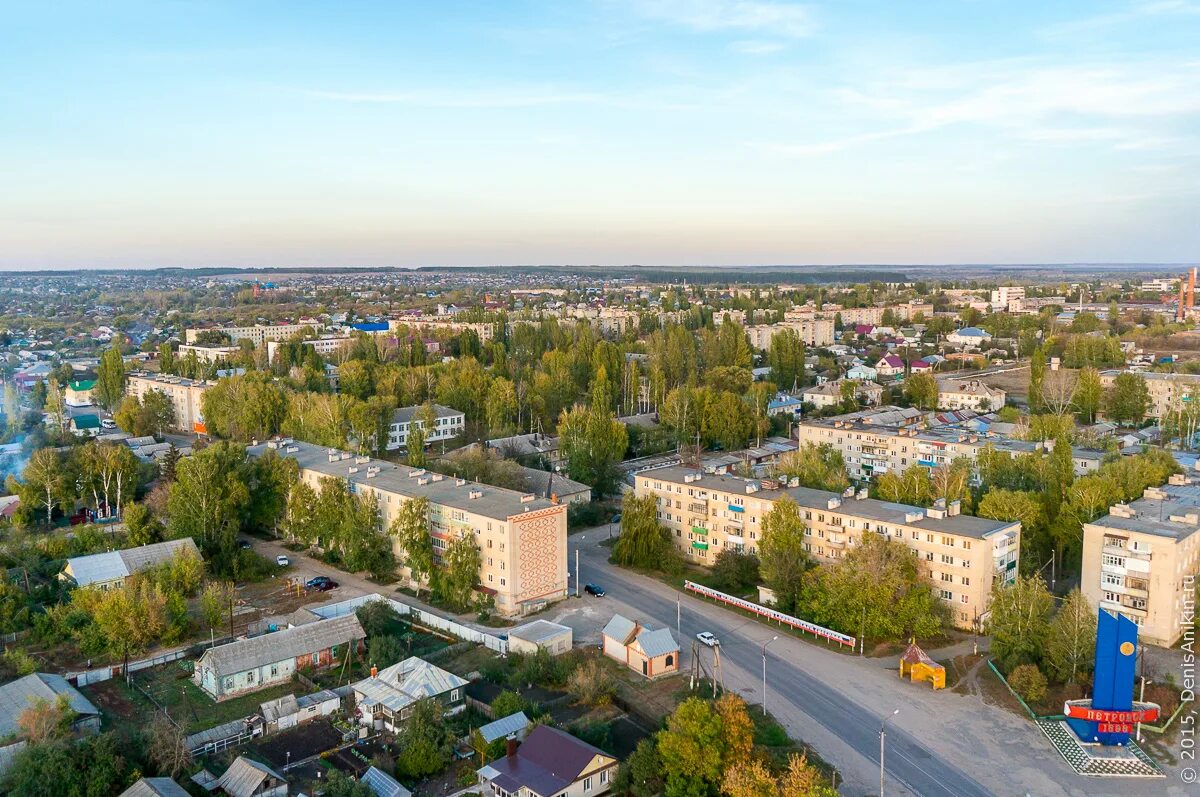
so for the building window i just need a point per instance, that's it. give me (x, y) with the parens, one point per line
(946, 594)
(454, 695)
(587, 784)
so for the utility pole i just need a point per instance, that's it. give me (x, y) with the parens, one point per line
(882, 737)
(764, 671)
(577, 572)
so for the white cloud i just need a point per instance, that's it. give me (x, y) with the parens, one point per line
(766, 16)
(757, 47)
(1129, 106)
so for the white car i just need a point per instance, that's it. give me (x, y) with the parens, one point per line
(282, 560)
(708, 639)
(108, 423)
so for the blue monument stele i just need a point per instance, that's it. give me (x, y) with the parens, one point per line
(1109, 716)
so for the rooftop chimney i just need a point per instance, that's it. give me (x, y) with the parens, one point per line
(510, 746)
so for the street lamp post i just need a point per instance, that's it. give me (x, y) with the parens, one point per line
(882, 737)
(764, 662)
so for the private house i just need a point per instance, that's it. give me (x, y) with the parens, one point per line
(969, 394)
(79, 393)
(555, 486)
(386, 698)
(447, 423)
(862, 372)
(922, 366)
(19, 695)
(549, 763)
(109, 570)
(968, 337)
(830, 393)
(249, 664)
(889, 365)
(248, 778)
(540, 635)
(155, 787)
(651, 653)
(784, 404)
(85, 425)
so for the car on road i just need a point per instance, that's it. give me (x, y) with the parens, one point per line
(321, 583)
(245, 545)
(282, 560)
(708, 638)
(594, 589)
(108, 423)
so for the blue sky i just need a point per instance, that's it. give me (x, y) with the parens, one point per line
(598, 131)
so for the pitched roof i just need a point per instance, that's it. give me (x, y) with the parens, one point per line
(620, 628)
(81, 385)
(244, 776)
(155, 787)
(548, 761)
(283, 706)
(406, 682)
(245, 654)
(383, 784)
(657, 643)
(16, 696)
(113, 565)
(504, 727)
(88, 421)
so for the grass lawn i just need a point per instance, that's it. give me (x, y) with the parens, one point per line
(468, 661)
(172, 687)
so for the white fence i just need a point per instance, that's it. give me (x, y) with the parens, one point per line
(417, 615)
(95, 676)
(770, 614)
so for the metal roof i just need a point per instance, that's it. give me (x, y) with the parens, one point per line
(246, 654)
(494, 502)
(406, 682)
(244, 776)
(99, 568)
(155, 787)
(538, 631)
(620, 628)
(546, 763)
(284, 706)
(405, 414)
(17, 696)
(504, 727)
(657, 643)
(383, 784)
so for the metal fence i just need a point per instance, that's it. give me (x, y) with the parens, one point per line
(417, 615)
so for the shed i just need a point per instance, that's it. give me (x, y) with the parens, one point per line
(653, 653)
(155, 787)
(540, 634)
(248, 778)
(383, 784)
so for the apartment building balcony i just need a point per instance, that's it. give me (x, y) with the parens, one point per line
(1126, 553)
(1121, 608)
(836, 540)
(1116, 570)
(698, 507)
(734, 539)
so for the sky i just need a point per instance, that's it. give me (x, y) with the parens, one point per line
(656, 132)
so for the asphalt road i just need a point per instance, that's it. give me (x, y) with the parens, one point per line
(792, 692)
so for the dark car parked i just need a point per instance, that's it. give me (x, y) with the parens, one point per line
(594, 589)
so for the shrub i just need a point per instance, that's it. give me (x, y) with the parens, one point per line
(1028, 682)
(592, 683)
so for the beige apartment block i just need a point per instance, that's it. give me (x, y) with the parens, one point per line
(964, 393)
(522, 539)
(208, 354)
(260, 333)
(870, 449)
(423, 324)
(1168, 392)
(185, 394)
(1142, 560)
(815, 332)
(961, 555)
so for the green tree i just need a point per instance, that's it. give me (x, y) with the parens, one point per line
(1071, 640)
(501, 407)
(90, 767)
(143, 527)
(410, 530)
(1028, 682)
(593, 440)
(921, 390)
(786, 359)
(1128, 398)
(1037, 379)
(208, 499)
(782, 557)
(912, 486)
(641, 775)
(820, 467)
(876, 589)
(460, 572)
(1019, 622)
(1087, 396)
(425, 743)
(339, 785)
(692, 749)
(56, 406)
(110, 379)
(44, 485)
(644, 542)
